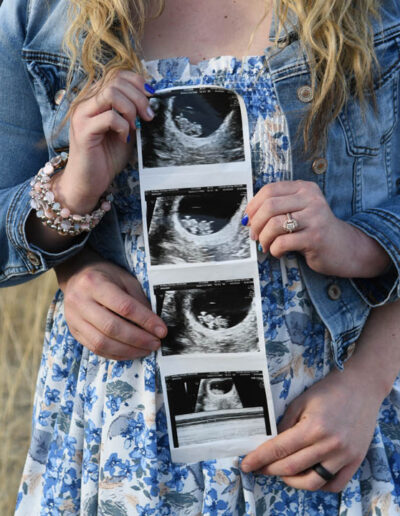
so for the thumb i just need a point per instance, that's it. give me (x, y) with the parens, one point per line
(134, 288)
(291, 416)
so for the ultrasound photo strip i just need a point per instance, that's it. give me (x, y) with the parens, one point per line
(208, 317)
(197, 225)
(205, 408)
(195, 182)
(193, 126)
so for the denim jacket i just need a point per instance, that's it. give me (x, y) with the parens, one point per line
(359, 172)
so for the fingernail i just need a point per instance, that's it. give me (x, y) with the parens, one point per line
(245, 220)
(154, 345)
(260, 248)
(138, 124)
(245, 467)
(128, 139)
(160, 331)
(150, 112)
(149, 88)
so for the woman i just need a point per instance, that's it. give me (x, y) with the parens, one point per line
(99, 443)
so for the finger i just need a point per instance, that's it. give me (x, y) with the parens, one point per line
(310, 479)
(301, 460)
(341, 478)
(103, 346)
(136, 80)
(118, 329)
(98, 126)
(273, 207)
(291, 416)
(274, 228)
(137, 97)
(134, 289)
(279, 189)
(277, 448)
(296, 241)
(128, 307)
(121, 96)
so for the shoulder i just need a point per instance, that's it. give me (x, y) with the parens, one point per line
(37, 24)
(46, 24)
(388, 22)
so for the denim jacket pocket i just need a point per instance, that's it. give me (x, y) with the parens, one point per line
(368, 127)
(48, 73)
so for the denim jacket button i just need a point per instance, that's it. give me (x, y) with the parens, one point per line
(58, 97)
(320, 166)
(305, 94)
(334, 292)
(282, 43)
(33, 258)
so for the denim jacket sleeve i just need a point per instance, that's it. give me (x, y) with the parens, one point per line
(23, 151)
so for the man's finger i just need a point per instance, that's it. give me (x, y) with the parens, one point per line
(277, 448)
(128, 307)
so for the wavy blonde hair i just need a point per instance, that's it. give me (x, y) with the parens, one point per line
(336, 35)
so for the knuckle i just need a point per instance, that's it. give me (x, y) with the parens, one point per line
(98, 344)
(290, 469)
(314, 483)
(270, 206)
(337, 443)
(109, 327)
(126, 308)
(87, 278)
(279, 452)
(319, 430)
(278, 247)
(278, 223)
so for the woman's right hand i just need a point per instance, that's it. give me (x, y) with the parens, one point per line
(100, 143)
(106, 309)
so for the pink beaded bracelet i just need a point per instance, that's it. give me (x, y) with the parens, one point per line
(51, 213)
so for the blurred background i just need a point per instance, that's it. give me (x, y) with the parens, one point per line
(22, 320)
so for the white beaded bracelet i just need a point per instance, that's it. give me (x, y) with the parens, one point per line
(51, 213)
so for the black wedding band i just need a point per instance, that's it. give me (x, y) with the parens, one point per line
(323, 472)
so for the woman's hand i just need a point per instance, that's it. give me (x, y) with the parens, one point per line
(330, 246)
(106, 309)
(100, 143)
(332, 423)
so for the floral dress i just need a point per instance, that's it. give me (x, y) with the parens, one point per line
(100, 444)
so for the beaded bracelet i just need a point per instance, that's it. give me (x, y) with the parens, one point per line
(51, 213)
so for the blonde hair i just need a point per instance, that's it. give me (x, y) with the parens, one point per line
(336, 34)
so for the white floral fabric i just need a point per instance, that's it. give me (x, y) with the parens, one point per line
(99, 442)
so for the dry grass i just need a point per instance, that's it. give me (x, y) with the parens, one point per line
(22, 317)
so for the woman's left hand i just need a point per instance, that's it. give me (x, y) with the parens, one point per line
(329, 245)
(332, 423)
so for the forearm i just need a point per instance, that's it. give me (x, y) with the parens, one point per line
(376, 359)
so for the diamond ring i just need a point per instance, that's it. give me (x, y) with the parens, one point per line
(290, 224)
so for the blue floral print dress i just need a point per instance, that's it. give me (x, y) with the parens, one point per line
(100, 444)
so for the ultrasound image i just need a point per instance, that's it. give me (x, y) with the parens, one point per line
(197, 225)
(193, 128)
(204, 406)
(213, 317)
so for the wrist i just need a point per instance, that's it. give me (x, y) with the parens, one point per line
(72, 197)
(362, 374)
(370, 257)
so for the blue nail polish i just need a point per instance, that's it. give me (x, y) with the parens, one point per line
(245, 220)
(260, 248)
(128, 139)
(138, 124)
(149, 89)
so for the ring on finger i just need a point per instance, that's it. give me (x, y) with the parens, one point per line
(290, 224)
(323, 472)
